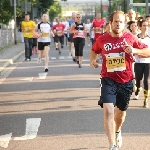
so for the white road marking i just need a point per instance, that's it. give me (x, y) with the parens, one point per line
(4, 140)
(42, 75)
(61, 57)
(27, 79)
(32, 125)
(53, 58)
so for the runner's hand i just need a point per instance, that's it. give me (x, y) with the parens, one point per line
(94, 64)
(128, 49)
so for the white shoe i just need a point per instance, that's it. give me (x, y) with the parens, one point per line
(118, 139)
(39, 60)
(113, 148)
(136, 97)
(88, 44)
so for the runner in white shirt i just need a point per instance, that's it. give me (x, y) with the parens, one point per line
(66, 23)
(44, 32)
(88, 27)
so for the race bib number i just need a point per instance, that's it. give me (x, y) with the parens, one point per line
(80, 33)
(59, 33)
(98, 30)
(115, 62)
(45, 34)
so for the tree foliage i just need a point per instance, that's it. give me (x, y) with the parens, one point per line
(54, 10)
(7, 11)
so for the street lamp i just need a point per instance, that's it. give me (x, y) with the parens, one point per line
(110, 9)
(15, 28)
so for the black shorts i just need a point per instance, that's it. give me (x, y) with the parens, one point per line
(116, 93)
(34, 42)
(41, 45)
(88, 34)
(59, 39)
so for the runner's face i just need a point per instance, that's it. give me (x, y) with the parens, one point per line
(27, 17)
(144, 27)
(45, 18)
(78, 18)
(132, 15)
(133, 27)
(117, 26)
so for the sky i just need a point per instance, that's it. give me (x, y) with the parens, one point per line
(86, 2)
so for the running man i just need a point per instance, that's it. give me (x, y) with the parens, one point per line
(98, 26)
(58, 30)
(44, 39)
(27, 27)
(116, 49)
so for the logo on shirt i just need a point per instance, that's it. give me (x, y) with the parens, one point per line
(108, 46)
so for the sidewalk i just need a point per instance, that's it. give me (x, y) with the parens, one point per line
(10, 54)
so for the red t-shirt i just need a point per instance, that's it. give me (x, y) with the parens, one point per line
(98, 26)
(116, 65)
(59, 29)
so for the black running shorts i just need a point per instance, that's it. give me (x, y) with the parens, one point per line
(116, 93)
(41, 45)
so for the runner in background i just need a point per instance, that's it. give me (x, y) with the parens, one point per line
(98, 26)
(44, 34)
(88, 27)
(142, 65)
(66, 23)
(27, 27)
(79, 38)
(70, 39)
(148, 20)
(58, 31)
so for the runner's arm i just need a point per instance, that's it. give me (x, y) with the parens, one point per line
(93, 58)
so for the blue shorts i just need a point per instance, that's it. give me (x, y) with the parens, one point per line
(116, 93)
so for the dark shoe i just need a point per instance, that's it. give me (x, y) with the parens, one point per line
(74, 59)
(145, 105)
(46, 69)
(56, 48)
(25, 59)
(62, 46)
(80, 66)
(59, 52)
(77, 61)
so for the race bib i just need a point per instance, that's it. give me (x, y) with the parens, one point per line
(80, 33)
(98, 30)
(115, 62)
(45, 34)
(59, 33)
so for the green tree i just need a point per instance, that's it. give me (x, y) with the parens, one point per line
(54, 10)
(6, 11)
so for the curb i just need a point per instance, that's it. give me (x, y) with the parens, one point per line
(11, 61)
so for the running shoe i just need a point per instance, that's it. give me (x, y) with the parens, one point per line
(113, 148)
(136, 97)
(80, 66)
(62, 46)
(145, 105)
(59, 52)
(118, 139)
(77, 61)
(46, 69)
(74, 59)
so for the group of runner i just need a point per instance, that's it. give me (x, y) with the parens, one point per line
(123, 44)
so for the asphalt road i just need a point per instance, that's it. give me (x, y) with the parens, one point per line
(60, 111)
